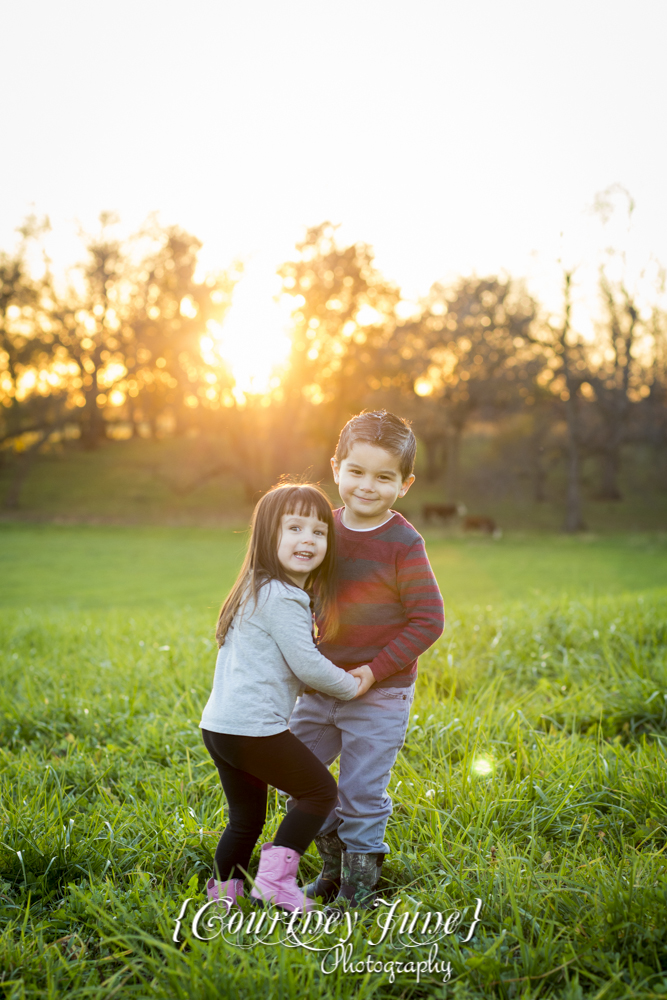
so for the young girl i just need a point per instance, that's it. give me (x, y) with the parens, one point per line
(266, 655)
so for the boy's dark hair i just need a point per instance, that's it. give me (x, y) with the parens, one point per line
(383, 429)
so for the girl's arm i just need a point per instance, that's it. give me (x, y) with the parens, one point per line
(289, 624)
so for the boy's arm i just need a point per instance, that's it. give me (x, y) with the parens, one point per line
(421, 598)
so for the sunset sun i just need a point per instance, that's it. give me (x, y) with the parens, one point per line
(254, 340)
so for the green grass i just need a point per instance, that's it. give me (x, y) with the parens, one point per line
(92, 566)
(131, 482)
(534, 775)
(110, 806)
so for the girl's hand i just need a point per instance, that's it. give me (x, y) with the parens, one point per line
(366, 679)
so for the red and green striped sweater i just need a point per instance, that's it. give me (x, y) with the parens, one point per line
(388, 599)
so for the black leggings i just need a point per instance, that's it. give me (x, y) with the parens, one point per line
(246, 765)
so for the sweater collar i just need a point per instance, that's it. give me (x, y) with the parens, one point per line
(368, 533)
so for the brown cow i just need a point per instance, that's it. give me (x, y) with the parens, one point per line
(475, 523)
(442, 511)
(438, 511)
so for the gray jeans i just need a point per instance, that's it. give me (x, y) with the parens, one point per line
(367, 733)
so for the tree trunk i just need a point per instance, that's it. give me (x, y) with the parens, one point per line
(92, 422)
(610, 463)
(574, 520)
(24, 463)
(133, 420)
(539, 477)
(432, 447)
(454, 465)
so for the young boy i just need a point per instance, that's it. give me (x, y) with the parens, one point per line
(390, 612)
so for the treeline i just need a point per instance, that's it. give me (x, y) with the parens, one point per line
(128, 347)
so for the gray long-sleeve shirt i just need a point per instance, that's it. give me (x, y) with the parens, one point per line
(266, 660)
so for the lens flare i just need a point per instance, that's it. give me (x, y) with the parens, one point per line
(482, 766)
(253, 339)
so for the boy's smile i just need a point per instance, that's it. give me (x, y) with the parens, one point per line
(369, 482)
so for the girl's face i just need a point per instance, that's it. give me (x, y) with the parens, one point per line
(302, 545)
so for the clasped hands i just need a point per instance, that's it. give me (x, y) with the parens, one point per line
(366, 679)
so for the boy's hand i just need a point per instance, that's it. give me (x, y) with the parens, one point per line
(366, 679)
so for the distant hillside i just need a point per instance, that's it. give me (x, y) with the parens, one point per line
(165, 482)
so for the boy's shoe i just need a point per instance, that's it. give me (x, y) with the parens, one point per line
(225, 892)
(276, 880)
(360, 876)
(330, 848)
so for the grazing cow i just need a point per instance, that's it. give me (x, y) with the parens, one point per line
(484, 524)
(439, 511)
(442, 511)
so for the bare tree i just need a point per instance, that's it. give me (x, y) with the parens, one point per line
(569, 372)
(612, 381)
(468, 352)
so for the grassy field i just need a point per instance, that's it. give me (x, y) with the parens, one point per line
(92, 566)
(155, 482)
(533, 777)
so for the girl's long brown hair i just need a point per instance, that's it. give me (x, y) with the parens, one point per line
(261, 563)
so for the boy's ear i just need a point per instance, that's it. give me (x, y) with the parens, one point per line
(407, 483)
(336, 470)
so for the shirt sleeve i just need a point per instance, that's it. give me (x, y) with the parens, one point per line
(290, 626)
(423, 605)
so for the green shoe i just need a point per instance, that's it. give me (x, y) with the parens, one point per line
(360, 876)
(327, 883)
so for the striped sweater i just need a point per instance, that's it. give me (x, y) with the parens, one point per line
(388, 600)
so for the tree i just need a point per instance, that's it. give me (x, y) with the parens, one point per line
(618, 374)
(31, 394)
(133, 325)
(565, 377)
(171, 314)
(468, 352)
(344, 315)
(89, 318)
(652, 405)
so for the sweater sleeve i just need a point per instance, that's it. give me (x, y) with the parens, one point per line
(290, 626)
(422, 601)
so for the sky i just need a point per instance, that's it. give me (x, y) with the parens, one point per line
(453, 137)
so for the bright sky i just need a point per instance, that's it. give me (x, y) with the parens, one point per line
(452, 136)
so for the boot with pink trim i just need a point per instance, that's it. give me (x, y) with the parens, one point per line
(276, 880)
(225, 892)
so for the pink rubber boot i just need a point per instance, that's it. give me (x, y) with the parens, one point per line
(225, 892)
(276, 880)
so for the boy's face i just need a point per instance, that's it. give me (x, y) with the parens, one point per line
(369, 482)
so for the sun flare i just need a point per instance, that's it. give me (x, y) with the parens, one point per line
(254, 339)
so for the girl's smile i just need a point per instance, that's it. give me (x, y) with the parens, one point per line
(302, 545)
